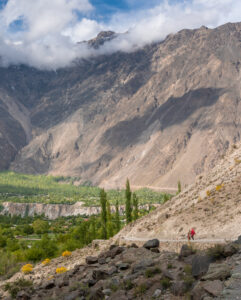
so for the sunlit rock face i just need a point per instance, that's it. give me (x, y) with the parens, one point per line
(166, 112)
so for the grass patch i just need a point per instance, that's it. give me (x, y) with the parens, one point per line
(151, 272)
(166, 283)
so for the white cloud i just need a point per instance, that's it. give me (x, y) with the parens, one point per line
(84, 30)
(53, 28)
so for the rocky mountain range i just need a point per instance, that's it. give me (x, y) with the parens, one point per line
(160, 114)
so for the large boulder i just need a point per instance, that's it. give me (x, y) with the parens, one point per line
(230, 249)
(152, 244)
(200, 265)
(214, 287)
(142, 265)
(217, 271)
(111, 253)
(178, 288)
(198, 292)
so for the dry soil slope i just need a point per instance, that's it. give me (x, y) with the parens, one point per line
(163, 113)
(212, 205)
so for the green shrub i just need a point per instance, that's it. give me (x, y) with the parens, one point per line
(152, 272)
(188, 269)
(166, 283)
(128, 285)
(15, 287)
(216, 252)
(140, 289)
(8, 264)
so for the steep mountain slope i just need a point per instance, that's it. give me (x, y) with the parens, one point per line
(156, 115)
(212, 205)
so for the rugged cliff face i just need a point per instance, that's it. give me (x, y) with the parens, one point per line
(54, 211)
(166, 112)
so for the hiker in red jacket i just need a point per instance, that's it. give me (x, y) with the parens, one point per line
(193, 233)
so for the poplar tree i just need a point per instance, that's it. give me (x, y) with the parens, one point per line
(92, 228)
(128, 202)
(103, 215)
(109, 227)
(179, 187)
(135, 206)
(117, 217)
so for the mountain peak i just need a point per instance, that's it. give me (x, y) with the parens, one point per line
(102, 37)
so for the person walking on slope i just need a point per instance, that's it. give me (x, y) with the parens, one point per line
(192, 233)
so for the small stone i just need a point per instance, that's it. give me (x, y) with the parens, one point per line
(48, 285)
(107, 292)
(101, 260)
(72, 295)
(90, 260)
(112, 270)
(236, 276)
(157, 293)
(22, 295)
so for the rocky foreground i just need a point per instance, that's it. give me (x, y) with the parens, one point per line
(144, 273)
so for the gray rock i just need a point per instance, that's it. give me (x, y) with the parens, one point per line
(217, 271)
(214, 287)
(90, 260)
(238, 241)
(145, 263)
(23, 295)
(119, 295)
(151, 244)
(230, 250)
(200, 265)
(122, 266)
(168, 274)
(96, 294)
(101, 260)
(157, 293)
(178, 288)
(107, 292)
(61, 281)
(185, 251)
(112, 270)
(236, 275)
(48, 284)
(155, 250)
(72, 295)
(100, 274)
(112, 253)
(198, 292)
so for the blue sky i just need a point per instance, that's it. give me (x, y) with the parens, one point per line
(105, 9)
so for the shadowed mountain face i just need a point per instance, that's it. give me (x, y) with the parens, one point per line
(166, 112)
